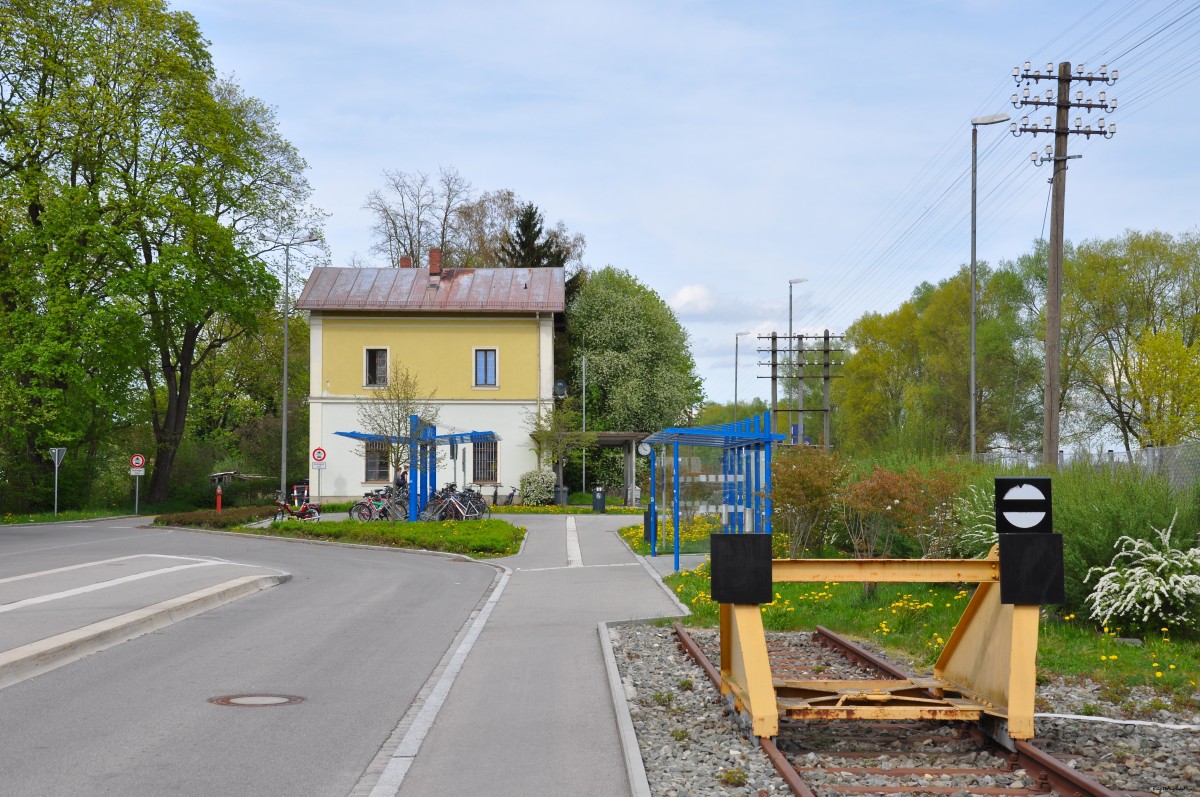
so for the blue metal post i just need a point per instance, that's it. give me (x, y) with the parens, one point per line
(754, 483)
(413, 467)
(727, 491)
(653, 505)
(767, 483)
(675, 503)
(741, 485)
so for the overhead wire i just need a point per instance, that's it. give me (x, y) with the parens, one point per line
(901, 235)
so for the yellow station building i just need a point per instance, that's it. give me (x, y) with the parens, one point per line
(480, 340)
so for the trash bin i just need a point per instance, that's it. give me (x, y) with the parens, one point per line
(598, 498)
(646, 526)
(560, 495)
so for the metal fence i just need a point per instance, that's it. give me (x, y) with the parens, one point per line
(1179, 465)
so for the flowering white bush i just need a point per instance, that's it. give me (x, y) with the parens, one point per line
(1148, 585)
(537, 487)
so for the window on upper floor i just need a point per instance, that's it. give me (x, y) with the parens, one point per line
(375, 372)
(485, 368)
(483, 465)
(376, 456)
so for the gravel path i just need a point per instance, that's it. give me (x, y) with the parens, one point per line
(691, 746)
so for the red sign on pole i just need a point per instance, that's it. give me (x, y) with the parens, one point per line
(137, 461)
(318, 455)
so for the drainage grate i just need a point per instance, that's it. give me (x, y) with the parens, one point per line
(255, 701)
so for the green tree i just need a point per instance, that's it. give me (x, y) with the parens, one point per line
(132, 180)
(1165, 385)
(529, 245)
(641, 375)
(1120, 292)
(557, 431)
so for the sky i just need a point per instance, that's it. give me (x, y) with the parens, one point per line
(718, 150)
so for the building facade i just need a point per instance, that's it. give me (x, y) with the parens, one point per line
(481, 341)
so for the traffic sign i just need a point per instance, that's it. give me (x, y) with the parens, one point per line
(137, 461)
(319, 465)
(57, 455)
(1023, 504)
(137, 471)
(318, 455)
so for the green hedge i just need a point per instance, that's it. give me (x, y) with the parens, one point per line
(212, 519)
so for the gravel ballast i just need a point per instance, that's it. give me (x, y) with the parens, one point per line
(691, 745)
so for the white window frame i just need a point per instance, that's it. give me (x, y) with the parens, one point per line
(475, 365)
(366, 371)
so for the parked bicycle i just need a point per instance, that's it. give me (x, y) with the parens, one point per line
(381, 504)
(306, 511)
(507, 500)
(450, 504)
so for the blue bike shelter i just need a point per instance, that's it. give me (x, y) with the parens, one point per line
(745, 473)
(422, 458)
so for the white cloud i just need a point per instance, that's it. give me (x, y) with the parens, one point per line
(692, 300)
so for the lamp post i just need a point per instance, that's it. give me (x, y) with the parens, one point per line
(993, 119)
(792, 359)
(737, 340)
(287, 274)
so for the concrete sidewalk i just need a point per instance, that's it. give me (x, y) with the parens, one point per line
(531, 710)
(57, 616)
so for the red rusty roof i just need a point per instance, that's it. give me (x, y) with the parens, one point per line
(480, 290)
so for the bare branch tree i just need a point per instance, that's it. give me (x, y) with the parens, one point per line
(388, 410)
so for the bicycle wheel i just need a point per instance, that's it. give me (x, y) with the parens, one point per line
(476, 509)
(434, 510)
(361, 511)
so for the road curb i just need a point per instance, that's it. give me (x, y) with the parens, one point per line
(635, 770)
(28, 661)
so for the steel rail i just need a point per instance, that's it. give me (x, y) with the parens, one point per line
(782, 766)
(1047, 770)
(1044, 766)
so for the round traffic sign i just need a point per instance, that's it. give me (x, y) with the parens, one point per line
(137, 461)
(318, 455)
(1025, 520)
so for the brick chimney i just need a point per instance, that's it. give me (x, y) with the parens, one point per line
(435, 267)
(406, 262)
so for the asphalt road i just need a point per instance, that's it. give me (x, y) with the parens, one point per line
(355, 633)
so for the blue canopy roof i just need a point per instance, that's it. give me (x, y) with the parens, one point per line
(724, 435)
(441, 439)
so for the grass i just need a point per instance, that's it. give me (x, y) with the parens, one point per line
(693, 535)
(483, 539)
(11, 519)
(915, 620)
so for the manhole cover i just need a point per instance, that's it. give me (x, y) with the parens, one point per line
(255, 701)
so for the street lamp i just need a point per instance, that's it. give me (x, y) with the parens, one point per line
(791, 356)
(737, 340)
(993, 119)
(287, 274)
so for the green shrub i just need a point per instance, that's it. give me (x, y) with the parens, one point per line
(212, 519)
(1094, 509)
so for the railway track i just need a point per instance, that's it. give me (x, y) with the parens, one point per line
(824, 759)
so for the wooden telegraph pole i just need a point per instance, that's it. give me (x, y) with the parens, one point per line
(1061, 128)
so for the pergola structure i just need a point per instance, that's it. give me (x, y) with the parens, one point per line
(746, 448)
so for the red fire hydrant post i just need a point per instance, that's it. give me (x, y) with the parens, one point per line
(218, 498)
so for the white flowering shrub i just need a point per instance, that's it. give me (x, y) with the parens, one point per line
(1148, 585)
(537, 487)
